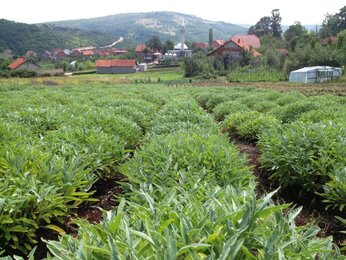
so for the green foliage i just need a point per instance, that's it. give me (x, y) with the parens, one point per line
(36, 188)
(226, 108)
(248, 125)
(23, 73)
(198, 65)
(54, 144)
(20, 37)
(189, 193)
(334, 191)
(190, 196)
(342, 47)
(181, 115)
(333, 24)
(130, 26)
(303, 156)
(209, 157)
(202, 222)
(291, 112)
(256, 75)
(155, 44)
(268, 25)
(293, 34)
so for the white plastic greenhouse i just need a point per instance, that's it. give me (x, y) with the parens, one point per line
(315, 74)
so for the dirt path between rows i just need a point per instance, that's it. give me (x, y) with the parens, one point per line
(313, 211)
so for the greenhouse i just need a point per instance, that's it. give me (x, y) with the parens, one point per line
(315, 74)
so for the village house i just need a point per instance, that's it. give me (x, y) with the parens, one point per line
(59, 54)
(30, 55)
(76, 53)
(117, 51)
(115, 66)
(88, 53)
(236, 45)
(144, 53)
(46, 55)
(217, 43)
(23, 64)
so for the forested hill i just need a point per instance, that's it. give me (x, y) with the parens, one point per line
(133, 27)
(20, 37)
(139, 27)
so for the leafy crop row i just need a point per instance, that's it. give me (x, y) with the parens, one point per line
(54, 147)
(302, 139)
(190, 195)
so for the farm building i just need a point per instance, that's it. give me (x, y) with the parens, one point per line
(315, 74)
(115, 66)
(23, 64)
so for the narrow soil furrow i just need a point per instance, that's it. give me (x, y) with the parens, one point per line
(312, 211)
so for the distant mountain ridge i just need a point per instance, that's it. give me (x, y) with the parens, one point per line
(139, 27)
(21, 37)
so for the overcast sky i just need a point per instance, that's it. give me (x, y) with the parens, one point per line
(238, 12)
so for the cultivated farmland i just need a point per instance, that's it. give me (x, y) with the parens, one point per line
(185, 191)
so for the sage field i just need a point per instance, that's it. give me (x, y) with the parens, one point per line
(187, 192)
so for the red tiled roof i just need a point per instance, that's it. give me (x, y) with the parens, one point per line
(201, 45)
(283, 51)
(329, 40)
(115, 50)
(88, 53)
(247, 41)
(17, 63)
(115, 63)
(140, 47)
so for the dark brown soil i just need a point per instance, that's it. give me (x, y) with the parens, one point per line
(106, 189)
(313, 211)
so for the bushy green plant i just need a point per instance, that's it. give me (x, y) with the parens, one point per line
(248, 125)
(207, 156)
(289, 98)
(23, 73)
(36, 188)
(203, 222)
(303, 156)
(334, 191)
(181, 114)
(198, 65)
(228, 108)
(293, 111)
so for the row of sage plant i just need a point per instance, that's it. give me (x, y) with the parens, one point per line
(54, 144)
(308, 158)
(302, 139)
(190, 195)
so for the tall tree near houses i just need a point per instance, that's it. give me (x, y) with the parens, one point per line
(261, 28)
(267, 25)
(155, 44)
(333, 24)
(275, 25)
